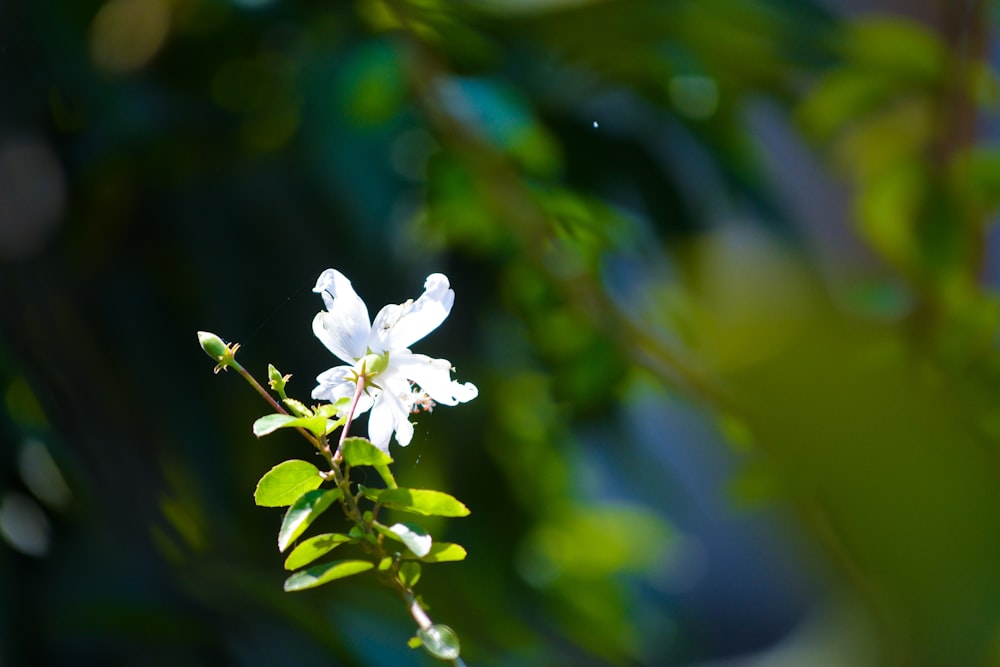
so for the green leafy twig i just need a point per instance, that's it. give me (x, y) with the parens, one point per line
(297, 485)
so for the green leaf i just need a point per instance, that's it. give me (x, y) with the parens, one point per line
(313, 548)
(444, 552)
(270, 423)
(332, 425)
(330, 409)
(303, 512)
(413, 536)
(386, 475)
(361, 452)
(282, 484)
(298, 408)
(326, 410)
(321, 574)
(422, 501)
(329, 412)
(316, 425)
(409, 573)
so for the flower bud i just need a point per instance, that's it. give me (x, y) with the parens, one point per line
(276, 380)
(213, 345)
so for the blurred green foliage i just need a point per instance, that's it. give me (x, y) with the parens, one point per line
(668, 224)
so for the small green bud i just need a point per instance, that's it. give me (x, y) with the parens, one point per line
(277, 381)
(212, 345)
(218, 350)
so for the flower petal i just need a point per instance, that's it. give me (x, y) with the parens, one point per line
(344, 327)
(334, 384)
(434, 377)
(379, 340)
(389, 415)
(404, 430)
(401, 326)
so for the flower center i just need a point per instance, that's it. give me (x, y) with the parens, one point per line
(371, 364)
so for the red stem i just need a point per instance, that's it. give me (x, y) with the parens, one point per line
(350, 415)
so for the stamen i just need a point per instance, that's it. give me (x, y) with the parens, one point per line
(419, 400)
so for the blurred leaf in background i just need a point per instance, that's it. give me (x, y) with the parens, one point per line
(725, 275)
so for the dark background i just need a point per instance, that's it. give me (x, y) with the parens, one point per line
(725, 280)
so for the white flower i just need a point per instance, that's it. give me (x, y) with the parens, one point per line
(408, 381)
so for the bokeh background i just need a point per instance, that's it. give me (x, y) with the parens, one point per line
(725, 275)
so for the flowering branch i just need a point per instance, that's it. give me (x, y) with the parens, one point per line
(406, 382)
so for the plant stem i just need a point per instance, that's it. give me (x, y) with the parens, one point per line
(256, 385)
(350, 414)
(318, 443)
(417, 612)
(424, 621)
(350, 504)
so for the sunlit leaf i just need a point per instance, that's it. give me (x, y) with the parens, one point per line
(271, 423)
(313, 548)
(284, 483)
(444, 552)
(321, 574)
(413, 536)
(361, 452)
(297, 407)
(386, 475)
(329, 412)
(423, 501)
(303, 512)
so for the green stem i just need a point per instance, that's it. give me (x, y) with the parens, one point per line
(350, 504)
(318, 443)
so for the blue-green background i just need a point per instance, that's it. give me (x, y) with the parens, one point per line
(724, 277)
